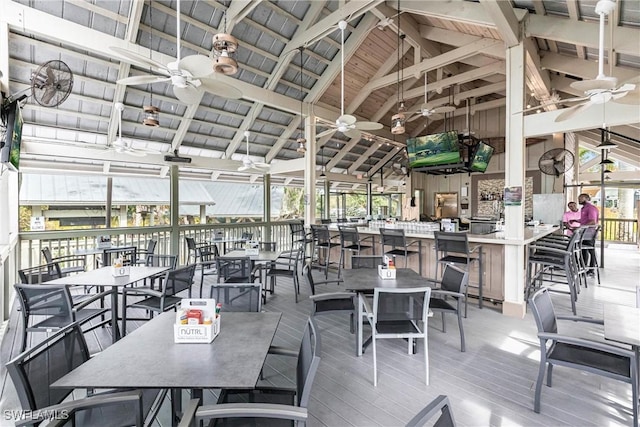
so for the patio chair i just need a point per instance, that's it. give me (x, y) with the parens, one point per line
(453, 285)
(350, 241)
(128, 254)
(285, 267)
(46, 272)
(166, 298)
(595, 357)
(68, 263)
(246, 297)
(34, 371)
(399, 313)
(322, 240)
(266, 402)
(155, 260)
(330, 302)
(366, 261)
(47, 308)
(143, 254)
(440, 405)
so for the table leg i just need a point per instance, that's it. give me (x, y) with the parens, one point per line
(359, 325)
(420, 257)
(114, 315)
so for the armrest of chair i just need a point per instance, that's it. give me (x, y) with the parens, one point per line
(142, 290)
(475, 248)
(595, 345)
(245, 410)
(71, 258)
(372, 238)
(325, 282)
(94, 401)
(550, 250)
(413, 242)
(331, 295)
(282, 351)
(94, 298)
(446, 293)
(581, 319)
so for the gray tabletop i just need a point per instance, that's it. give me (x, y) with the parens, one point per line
(95, 251)
(103, 277)
(366, 279)
(622, 324)
(148, 357)
(262, 255)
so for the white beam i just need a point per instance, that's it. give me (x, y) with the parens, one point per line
(454, 38)
(287, 166)
(505, 20)
(582, 67)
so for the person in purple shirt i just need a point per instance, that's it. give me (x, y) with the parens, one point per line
(589, 215)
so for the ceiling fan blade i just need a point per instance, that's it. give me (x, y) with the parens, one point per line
(627, 87)
(435, 116)
(142, 80)
(220, 89)
(135, 153)
(140, 60)
(572, 111)
(629, 98)
(346, 119)
(353, 134)
(445, 109)
(262, 165)
(368, 125)
(416, 116)
(244, 168)
(326, 132)
(197, 65)
(188, 95)
(607, 83)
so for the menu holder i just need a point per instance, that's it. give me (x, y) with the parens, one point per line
(193, 310)
(252, 247)
(103, 242)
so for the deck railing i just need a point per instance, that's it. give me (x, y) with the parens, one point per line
(69, 242)
(621, 230)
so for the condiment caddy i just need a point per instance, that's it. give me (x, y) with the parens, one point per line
(388, 269)
(118, 269)
(197, 321)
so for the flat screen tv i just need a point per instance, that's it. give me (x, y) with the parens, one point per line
(434, 150)
(12, 119)
(481, 157)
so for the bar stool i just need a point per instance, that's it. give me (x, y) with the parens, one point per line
(300, 236)
(399, 245)
(458, 244)
(323, 240)
(350, 241)
(588, 247)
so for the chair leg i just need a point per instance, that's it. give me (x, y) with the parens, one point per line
(426, 357)
(536, 403)
(462, 343)
(375, 362)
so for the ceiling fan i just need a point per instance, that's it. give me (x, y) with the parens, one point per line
(603, 88)
(426, 111)
(121, 145)
(248, 164)
(189, 76)
(346, 123)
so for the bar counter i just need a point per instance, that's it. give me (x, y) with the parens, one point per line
(493, 255)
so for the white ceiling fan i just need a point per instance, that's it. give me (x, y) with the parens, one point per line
(346, 123)
(425, 110)
(121, 145)
(603, 88)
(190, 76)
(248, 163)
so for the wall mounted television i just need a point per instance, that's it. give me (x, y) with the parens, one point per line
(12, 122)
(481, 157)
(439, 149)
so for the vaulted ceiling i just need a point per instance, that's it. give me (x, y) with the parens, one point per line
(459, 44)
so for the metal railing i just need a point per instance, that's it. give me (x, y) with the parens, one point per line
(69, 242)
(621, 230)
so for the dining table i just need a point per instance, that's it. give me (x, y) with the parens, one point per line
(149, 358)
(363, 281)
(262, 256)
(104, 278)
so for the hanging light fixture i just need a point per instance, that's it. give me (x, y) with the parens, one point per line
(322, 175)
(605, 159)
(399, 119)
(151, 113)
(301, 141)
(381, 186)
(224, 51)
(605, 140)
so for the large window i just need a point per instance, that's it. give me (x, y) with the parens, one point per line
(388, 205)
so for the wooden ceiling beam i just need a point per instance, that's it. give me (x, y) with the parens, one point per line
(582, 67)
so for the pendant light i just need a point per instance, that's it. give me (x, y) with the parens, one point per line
(399, 119)
(605, 140)
(301, 141)
(322, 175)
(151, 113)
(224, 51)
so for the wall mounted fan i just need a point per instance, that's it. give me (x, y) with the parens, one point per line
(556, 161)
(603, 88)
(248, 164)
(346, 123)
(425, 110)
(51, 84)
(188, 75)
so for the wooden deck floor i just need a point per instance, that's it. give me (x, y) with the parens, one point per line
(491, 384)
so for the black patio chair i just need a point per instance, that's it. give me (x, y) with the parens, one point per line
(68, 263)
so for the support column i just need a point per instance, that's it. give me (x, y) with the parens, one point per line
(174, 202)
(515, 168)
(266, 235)
(107, 216)
(310, 171)
(203, 214)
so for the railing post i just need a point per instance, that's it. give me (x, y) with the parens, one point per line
(267, 208)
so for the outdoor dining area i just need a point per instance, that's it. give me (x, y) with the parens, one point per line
(363, 341)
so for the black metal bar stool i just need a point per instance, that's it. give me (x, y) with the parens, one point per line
(350, 241)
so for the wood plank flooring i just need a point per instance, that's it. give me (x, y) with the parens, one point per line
(491, 384)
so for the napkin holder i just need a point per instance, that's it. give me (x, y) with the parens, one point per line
(251, 247)
(386, 273)
(202, 333)
(118, 269)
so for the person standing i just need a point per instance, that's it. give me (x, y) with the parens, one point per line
(589, 215)
(571, 218)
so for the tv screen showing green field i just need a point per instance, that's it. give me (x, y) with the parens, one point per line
(434, 150)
